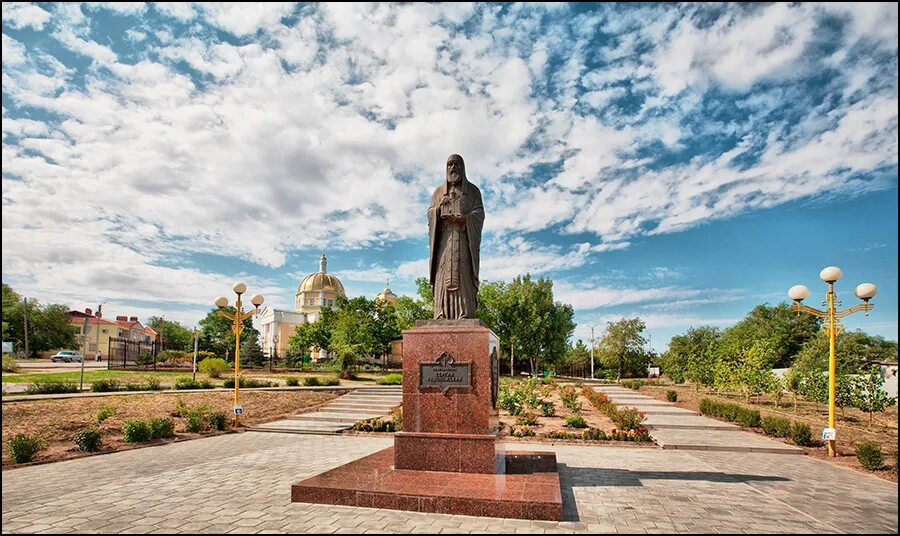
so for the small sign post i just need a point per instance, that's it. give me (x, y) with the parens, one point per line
(828, 434)
(239, 410)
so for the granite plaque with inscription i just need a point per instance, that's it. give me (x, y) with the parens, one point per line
(444, 374)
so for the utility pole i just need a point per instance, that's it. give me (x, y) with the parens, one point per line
(512, 358)
(196, 334)
(25, 313)
(592, 352)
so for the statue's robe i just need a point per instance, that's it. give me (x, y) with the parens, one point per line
(454, 251)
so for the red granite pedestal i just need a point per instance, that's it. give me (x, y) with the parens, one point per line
(445, 459)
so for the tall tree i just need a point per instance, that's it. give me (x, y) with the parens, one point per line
(216, 335)
(622, 347)
(692, 356)
(496, 310)
(408, 310)
(362, 327)
(542, 327)
(578, 356)
(783, 331)
(173, 335)
(48, 325)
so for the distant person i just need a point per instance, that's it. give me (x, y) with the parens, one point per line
(98, 356)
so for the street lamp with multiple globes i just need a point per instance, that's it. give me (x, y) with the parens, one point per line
(237, 327)
(832, 327)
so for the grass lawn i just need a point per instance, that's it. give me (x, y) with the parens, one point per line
(91, 375)
(57, 421)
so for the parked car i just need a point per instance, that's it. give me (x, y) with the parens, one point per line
(67, 356)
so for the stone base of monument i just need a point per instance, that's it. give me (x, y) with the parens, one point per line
(445, 459)
(524, 486)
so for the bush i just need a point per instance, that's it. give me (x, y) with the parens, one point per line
(173, 357)
(216, 420)
(137, 431)
(152, 384)
(627, 419)
(186, 382)
(556, 434)
(633, 384)
(575, 421)
(524, 431)
(162, 428)
(569, 397)
(293, 381)
(311, 381)
(869, 454)
(195, 418)
(105, 412)
(776, 426)
(88, 439)
(247, 383)
(748, 418)
(390, 379)
(213, 366)
(50, 388)
(330, 381)
(527, 418)
(593, 434)
(9, 364)
(672, 396)
(801, 434)
(105, 386)
(22, 448)
(547, 408)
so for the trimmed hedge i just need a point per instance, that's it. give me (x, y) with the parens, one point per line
(22, 448)
(773, 425)
(88, 439)
(390, 379)
(51, 388)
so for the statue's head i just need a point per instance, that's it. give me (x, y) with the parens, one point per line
(456, 169)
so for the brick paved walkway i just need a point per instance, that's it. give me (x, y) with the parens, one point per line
(241, 483)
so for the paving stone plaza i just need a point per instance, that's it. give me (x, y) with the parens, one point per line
(241, 483)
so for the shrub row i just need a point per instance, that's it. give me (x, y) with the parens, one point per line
(108, 386)
(773, 425)
(312, 381)
(390, 379)
(186, 382)
(50, 388)
(394, 424)
(199, 418)
(595, 434)
(625, 419)
(248, 383)
(633, 384)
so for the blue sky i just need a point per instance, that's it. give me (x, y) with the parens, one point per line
(682, 163)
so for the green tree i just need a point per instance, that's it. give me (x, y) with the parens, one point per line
(496, 308)
(542, 327)
(693, 356)
(622, 347)
(408, 310)
(853, 350)
(251, 352)
(11, 301)
(172, 334)
(314, 335)
(216, 335)
(776, 328)
(426, 295)
(578, 356)
(362, 327)
(49, 328)
(870, 397)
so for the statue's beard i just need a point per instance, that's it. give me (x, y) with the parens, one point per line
(454, 178)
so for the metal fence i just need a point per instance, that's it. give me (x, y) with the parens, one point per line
(124, 353)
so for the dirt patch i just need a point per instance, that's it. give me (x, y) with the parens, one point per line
(57, 421)
(852, 428)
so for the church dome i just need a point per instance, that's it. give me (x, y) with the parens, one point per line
(387, 295)
(321, 281)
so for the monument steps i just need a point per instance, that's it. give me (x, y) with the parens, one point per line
(340, 414)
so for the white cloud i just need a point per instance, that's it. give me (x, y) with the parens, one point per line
(122, 8)
(13, 52)
(182, 11)
(245, 18)
(24, 15)
(90, 48)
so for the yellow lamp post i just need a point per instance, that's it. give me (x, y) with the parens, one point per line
(832, 327)
(237, 327)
